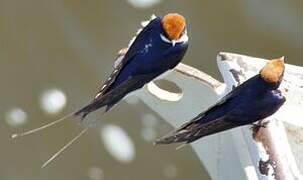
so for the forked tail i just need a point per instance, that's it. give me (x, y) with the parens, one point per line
(82, 113)
(92, 106)
(42, 127)
(175, 137)
(64, 148)
(194, 130)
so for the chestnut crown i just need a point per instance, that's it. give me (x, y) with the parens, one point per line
(273, 71)
(173, 25)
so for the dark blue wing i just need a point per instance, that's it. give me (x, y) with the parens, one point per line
(147, 57)
(121, 74)
(109, 99)
(194, 130)
(119, 62)
(209, 122)
(126, 55)
(213, 120)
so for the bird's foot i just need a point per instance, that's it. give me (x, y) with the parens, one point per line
(262, 124)
(259, 124)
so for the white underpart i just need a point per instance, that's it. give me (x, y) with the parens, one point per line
(183, 39)
(143, 23)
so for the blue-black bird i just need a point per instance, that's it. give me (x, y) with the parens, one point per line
(254, 100)
(158, 47)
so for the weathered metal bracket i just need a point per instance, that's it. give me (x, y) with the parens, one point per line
(239, 153)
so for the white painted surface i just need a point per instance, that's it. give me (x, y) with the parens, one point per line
(231, 154)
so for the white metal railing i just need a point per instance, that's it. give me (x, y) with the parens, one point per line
(239, 153)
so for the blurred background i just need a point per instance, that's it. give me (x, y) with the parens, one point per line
(54, 54)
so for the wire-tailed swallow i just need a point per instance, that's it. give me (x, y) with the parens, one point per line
(157, 48)
(254, 100)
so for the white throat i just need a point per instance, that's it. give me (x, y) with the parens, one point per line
(183, 39)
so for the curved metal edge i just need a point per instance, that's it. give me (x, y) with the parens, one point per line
(197, 74)
(222, 155)
(269, 148)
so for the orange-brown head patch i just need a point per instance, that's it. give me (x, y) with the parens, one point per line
(173, 25)
(273, 71)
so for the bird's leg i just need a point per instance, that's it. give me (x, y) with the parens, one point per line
(259, 124)
(262, 123)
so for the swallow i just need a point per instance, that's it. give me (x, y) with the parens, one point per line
(252, 101)
(158, 47)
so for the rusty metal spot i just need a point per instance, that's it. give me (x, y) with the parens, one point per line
(223, 56)
(272, 166)
(236, 74)
(246, 66)
(264, 167)
(255, 132)
(196, 74)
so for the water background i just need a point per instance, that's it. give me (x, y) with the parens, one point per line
(54, 54)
